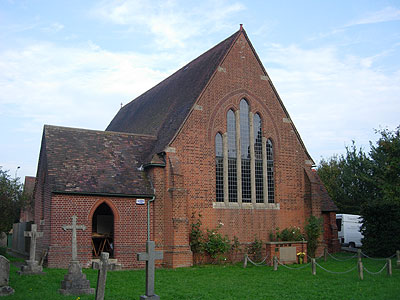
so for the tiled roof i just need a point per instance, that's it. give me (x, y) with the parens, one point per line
(327, 203)
(96, 162)
(161, 110)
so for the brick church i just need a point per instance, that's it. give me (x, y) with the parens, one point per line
(213, 138)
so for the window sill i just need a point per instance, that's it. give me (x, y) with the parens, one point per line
(236, 205)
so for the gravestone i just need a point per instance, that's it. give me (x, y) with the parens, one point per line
(5, 290)
(150, 256)
(75, 282)
(32, 265)
(103, 266)
(3, 240)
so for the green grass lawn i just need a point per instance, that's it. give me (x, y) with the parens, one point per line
(226, 282)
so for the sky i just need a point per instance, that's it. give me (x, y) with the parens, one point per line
(335, 64)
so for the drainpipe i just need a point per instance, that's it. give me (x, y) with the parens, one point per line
(148, 209)
(148, 213)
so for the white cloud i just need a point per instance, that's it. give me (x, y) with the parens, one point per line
(385, 15)
(333, 99)
(170, 22)
(45, 83)
(54, 27)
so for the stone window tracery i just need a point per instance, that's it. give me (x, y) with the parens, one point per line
(244, 162)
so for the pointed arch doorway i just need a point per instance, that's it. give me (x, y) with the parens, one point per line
(103, 230)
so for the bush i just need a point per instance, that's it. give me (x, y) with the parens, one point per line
(255, 249)
(286, 235)
(196, 236)
(216, 245)
(314, 229)
(381, 228)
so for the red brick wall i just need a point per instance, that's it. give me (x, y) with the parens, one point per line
(193, 151)
(331, 239)
(130, 228)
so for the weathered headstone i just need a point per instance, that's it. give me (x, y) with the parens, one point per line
(32, 265)
(103, 266)
(4, 277)
(3, 240)
(75, 282)
(150, 256)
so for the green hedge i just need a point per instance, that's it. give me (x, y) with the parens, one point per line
(381, 228)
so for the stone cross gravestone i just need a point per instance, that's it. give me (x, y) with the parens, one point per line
(74, 227)
(32, 266)
(75, 282)
(103, 266)
(150, 256)
(4, 277)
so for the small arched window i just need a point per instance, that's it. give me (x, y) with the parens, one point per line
(245, 151)
(259, 166)
(219, 168)
(232, 176)
(270, 172)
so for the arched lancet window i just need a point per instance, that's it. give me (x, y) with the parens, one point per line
(270, 172)
(232, 176)
(258, 158)
(219, 168)
(245, 151)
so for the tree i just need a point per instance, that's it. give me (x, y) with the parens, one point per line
(369, 185)
(385, 156)
(11, 200)
(347, 179)
(381, 215)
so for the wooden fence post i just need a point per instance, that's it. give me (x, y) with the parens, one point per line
(313, 266)
(245, 261)
(325, 254)
(389, 267)
(360, 269)
(275, 263)
(398, 258)
(359, 254)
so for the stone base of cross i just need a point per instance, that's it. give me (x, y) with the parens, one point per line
(150, 256)
(31, 267)
(75, 282)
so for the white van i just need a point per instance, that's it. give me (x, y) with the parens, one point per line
(349, 230)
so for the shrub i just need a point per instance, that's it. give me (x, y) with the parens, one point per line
(314, 229)
(287, 234)
(255, 249)
(216, 245)
(196, 236)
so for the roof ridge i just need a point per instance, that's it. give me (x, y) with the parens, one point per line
(98, 131)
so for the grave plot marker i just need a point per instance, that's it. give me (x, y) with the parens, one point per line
(150, 256)
(103, 266)
(5, 290)
(75, 282)
(32, 266)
